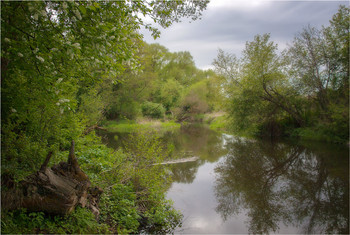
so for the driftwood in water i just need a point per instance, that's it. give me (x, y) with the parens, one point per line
(182, 160)
(55, 190)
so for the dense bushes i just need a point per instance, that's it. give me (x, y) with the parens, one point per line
(153, 110)
(22, 222)
(64, 70)
(134, 191)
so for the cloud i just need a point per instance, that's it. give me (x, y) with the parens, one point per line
(228, 25)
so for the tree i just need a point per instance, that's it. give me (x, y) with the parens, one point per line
(53, 54)
(319, 68)
(170, 94)
(181, 67)
(259, 94)
(60, 61)
(320, 60)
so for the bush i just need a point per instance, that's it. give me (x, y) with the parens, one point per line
(218, 123)
(153, 110)
(22, 222)
(118, 209)
(134, 187)
(124, 109)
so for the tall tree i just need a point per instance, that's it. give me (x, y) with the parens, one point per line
(258, 90)
(319, 65)
(320, 60)
(53, 53)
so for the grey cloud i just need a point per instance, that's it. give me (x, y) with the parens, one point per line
(229, 28)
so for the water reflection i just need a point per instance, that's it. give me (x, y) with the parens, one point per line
(241, 186)
(194, 140)
(185, 173)
(198, 140)
(281, 183)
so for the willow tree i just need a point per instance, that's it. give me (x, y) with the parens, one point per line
(53, 53)
(319, 65)
(259, 94)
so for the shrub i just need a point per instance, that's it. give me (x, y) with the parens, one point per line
(153, 110)
(125, 109)
(118, 209)
(22, 222)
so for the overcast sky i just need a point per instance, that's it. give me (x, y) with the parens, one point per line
(229, 24)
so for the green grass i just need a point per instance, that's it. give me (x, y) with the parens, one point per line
(128, 126)
(170, 125)
(124, 126)
(218, 123)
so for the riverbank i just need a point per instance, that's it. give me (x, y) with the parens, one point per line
(219, 122)
(142, 124)
(216, 121)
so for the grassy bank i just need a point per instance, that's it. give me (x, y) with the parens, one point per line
(130, 126)
(216, 121)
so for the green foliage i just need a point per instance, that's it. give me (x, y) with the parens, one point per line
(257, 92)
(119, 209)
(162, 218)
(60, 61)
(194, 102)
(123, 108)
(219, 123)
(170, 125)
(180, 67)
(146, 152)
(280, 94)
(81, 221)
(67, 65)
(170, 93)
(91, 107)
(153, 110)
(128, 126)
(123, 126)
(139, 203)
(169, 79)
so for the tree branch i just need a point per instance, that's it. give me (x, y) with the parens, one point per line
(46, 162)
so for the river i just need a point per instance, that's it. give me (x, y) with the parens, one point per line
(239, 185)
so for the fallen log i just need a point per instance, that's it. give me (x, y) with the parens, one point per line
(182, 160)
(56, 190)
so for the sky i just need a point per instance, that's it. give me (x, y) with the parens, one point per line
(229, 24)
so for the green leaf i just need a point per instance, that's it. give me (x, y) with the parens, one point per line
(96, 5)
(82, 9)
(92, 8)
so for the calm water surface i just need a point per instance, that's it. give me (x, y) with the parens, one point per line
(250, 186)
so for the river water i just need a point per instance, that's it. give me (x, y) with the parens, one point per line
(244, 186)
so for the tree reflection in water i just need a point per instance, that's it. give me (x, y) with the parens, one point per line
(185, 173)
(194, 140)
(282, 183)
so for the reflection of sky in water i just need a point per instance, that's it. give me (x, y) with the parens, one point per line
(197, 202)
(258, 186)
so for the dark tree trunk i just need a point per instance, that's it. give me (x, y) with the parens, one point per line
(55, 190)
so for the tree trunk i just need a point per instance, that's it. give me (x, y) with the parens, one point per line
(55, 190)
